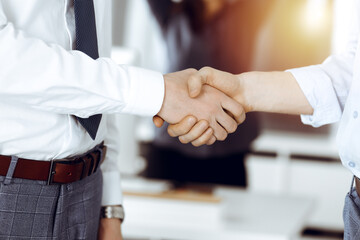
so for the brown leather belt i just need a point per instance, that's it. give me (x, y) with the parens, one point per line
(56, 171)
(357, 185)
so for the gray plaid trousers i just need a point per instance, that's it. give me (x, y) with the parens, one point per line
(34, 210)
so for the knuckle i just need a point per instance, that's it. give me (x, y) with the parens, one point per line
(206, 69)
(221, 139)
(211, 141)
(196, 143)
(171, 132)
(192, 70)
(238, 112)
(183, 139)
(242, 118)
(222, 136)
(233, 127)
(210, 131)
(203, 125)
(192, 78)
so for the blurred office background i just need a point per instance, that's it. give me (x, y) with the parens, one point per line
(296, 184)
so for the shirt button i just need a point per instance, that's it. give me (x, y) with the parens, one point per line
(355, 114)
(351, 164)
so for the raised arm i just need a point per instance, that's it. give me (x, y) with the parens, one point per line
(276, 92)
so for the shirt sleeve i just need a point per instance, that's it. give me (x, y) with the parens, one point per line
(47, 77)
(112, 194)
(327, 85)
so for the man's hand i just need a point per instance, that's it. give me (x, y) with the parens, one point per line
(189, 130)
(227, 83)
(198, 135)
(276, 92)
(110, 229)
(222, 113)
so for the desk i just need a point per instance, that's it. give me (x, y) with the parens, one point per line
(239, 215)
(302, 165)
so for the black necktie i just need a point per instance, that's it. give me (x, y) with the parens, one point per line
(86, 41)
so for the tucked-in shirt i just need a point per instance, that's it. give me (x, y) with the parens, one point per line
(44, 83)
(333, 90)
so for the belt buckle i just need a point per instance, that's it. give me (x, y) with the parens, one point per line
(69, 161)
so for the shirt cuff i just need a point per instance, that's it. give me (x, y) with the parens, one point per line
(112, 194)
(147, 93)
(317, 88)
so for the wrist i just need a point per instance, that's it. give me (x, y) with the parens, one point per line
(245, 94)
(165, 104)
(110, 228)
(110, 223)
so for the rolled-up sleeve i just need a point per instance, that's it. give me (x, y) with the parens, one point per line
(326, 88)
(327, 85)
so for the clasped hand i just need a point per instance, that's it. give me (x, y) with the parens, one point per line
(197, 112)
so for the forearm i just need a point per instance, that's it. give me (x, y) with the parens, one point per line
(50, 78)
(276, 92)
(110, 229)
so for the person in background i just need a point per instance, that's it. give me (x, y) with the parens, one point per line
(59, 95)
(199, 33)
(322, 94)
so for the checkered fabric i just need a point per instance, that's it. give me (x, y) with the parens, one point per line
(33, 210)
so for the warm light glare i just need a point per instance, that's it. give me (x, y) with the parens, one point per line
(342, 24)
(314, 15)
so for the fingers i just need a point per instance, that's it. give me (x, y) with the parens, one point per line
(212, 140)
(228, 123)
(234, 109)
(158, 121)
(198, 134)
(219, 132)
(183, 127)
(205, 138)
(228, 118)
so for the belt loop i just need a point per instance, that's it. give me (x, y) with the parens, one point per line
(352, 186)
(11, 169)
(100, 158)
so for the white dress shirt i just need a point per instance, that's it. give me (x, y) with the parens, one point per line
(44, 82)
(333, 90)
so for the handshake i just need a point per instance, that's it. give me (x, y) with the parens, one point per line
(206, 105)
(201, 106)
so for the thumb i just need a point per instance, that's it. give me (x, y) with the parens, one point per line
(206, 75)
(158, 121)
(195, 83)
(223, 81)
